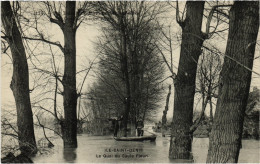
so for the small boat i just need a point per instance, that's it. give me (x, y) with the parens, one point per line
(140, 138)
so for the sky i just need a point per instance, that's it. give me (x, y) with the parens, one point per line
(87, 34)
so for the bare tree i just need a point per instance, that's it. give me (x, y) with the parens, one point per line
(69, 22)
(184, 82)
(235, 78)
(130, 20)
(20, 81)
(192, 40)
(147, 91)
(209, 68)
(164, 117)
(114, 13)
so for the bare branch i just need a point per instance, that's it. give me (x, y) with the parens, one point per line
(46, 41)
(43, 128)
(208, 34)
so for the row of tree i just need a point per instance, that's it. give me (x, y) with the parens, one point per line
(233, 84)
(14, 34)
(130, 20)
(130, 69)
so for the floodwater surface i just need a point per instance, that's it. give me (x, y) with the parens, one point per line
(104, 149)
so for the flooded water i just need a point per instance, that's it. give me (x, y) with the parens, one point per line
(104, 149)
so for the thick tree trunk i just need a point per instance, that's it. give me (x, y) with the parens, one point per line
(192, 40)
(226, 134)
(20, 82)
(164, 117)
(69, 124)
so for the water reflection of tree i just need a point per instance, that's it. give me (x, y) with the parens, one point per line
(69, 155)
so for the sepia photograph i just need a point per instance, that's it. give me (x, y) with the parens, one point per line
(135, 81)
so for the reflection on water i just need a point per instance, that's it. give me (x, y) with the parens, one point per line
(104, 149)
(69, 155)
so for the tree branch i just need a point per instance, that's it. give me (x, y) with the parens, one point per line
(43, 128)
(46, 41)
(208, 34)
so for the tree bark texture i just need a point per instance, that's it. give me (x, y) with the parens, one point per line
(20, 82)
(192, 40)
(226, 134)
(69, 124)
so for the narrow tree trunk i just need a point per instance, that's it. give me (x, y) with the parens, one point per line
(181, 138)
(197, 122)
(146, 102)
(210, 117)
(55, 99)
(164, 117)
(211, 112)
(128, 90)
(135, 91)
(20, 82)
(226, 134)
(69, 125)
(124, 66)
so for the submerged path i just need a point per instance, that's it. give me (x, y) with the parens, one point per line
(101, 149)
